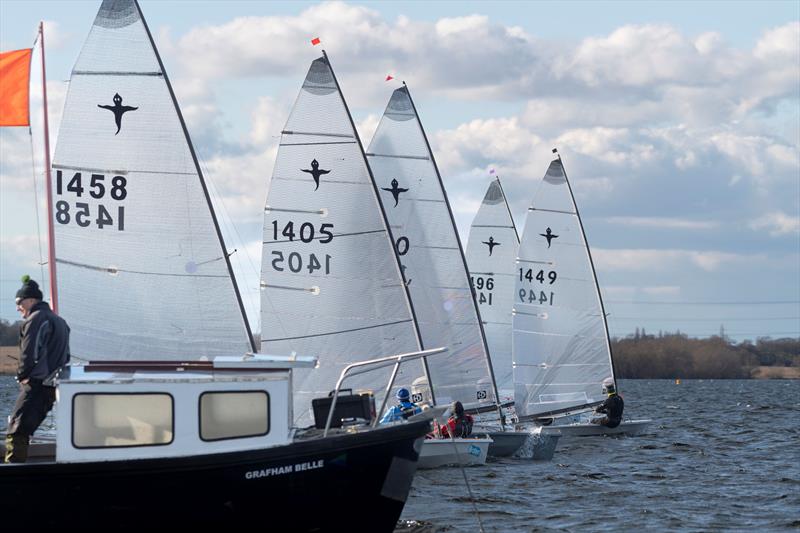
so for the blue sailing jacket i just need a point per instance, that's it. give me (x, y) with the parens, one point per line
(401, 411)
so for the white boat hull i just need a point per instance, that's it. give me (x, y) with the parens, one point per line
(446, 452)
(630, 428)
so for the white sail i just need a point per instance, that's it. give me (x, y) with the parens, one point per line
(491, 255)
(560, 348)
(331, 284)
(142, 271)
(431, 256)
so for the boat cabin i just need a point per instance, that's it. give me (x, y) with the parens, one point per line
(138, 410)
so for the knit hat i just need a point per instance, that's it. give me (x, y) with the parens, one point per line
(30, 289)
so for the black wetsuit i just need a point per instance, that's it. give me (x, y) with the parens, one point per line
(612, 407)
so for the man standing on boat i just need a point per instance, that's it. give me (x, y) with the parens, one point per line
(612, 407)
(404, 408)
(43, 353)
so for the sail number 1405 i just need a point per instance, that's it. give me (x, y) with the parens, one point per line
(300, 233)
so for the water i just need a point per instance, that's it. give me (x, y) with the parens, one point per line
(720, 455)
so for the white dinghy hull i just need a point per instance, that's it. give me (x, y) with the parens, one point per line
(631, 428)
(448, 452)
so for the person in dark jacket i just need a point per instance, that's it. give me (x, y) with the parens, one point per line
(459, 425)
(612, 407)
(43, 353)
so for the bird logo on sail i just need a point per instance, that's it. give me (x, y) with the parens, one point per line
(118, 109)
(548, 234)
(491, 244)
(315, 172)
(395, 190)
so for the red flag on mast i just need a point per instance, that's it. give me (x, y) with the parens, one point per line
(15, 71)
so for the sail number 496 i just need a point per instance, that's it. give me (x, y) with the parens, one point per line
(478, 285)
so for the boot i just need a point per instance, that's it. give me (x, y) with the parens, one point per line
(16, 448)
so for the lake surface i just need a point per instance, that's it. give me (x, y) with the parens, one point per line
(720, 455)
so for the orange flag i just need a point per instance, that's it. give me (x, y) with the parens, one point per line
(15, 71)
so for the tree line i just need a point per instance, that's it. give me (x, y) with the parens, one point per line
(675, 355)
(662, 356)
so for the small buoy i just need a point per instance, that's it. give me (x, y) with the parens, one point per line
(677, 382)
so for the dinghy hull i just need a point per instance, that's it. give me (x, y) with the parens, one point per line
(506, 443)
(447, 452)
(307, 485)
(630, 428)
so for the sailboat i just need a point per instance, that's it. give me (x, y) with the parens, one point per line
(172, 419)
(491, 254)
(435, 268)
(331, 282)
(561, 347)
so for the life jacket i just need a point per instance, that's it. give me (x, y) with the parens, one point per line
(461, 427)
(407, 409)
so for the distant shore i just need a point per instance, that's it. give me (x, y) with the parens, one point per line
(9, 354)
(8, 359)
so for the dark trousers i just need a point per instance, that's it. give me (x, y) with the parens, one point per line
(607, 422)
(33, 403)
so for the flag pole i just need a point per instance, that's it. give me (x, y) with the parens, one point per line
(51, 256)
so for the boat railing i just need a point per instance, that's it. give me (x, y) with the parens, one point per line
(362, 367)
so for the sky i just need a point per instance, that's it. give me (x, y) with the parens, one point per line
(678, 124)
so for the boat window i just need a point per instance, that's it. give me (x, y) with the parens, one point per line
(233, 414)
(107, 420)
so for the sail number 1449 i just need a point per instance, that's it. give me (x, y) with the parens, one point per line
(537, 296)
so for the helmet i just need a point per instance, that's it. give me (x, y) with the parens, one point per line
(608, 386)
(403, 394)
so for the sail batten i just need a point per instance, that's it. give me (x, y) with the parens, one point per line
(561, 348)
(114, 73)
(140, 246)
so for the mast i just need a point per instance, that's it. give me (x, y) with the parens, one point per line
(594, 272)
(225, 253)
(388, 230)
(51, 241)
(463, 261)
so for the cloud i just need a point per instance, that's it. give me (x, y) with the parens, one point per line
(664, 223)
(643, 260)
(21, 250)
(777, 224)
(663, 290)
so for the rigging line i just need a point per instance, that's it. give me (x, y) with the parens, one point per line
(229, 222)
(336, 332)
(466, 482)
(773, 302)
(707, 319)
(36, 205)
